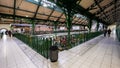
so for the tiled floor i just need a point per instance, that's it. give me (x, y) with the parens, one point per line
(100, 52)
(11, 56)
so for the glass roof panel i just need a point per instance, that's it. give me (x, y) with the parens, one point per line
(80, 16)
(46, 3)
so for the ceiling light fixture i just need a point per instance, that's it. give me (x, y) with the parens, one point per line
(26, 15)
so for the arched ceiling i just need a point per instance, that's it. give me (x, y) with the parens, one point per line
(105, 11)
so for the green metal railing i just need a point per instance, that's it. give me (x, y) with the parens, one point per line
(91, 35)
(42, 45)
(77, 39)
(80, 38)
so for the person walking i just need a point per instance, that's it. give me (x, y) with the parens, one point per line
(10, 33)
(1, 35)
(109, 32)
(105, 32)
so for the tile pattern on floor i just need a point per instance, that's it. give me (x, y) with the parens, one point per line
(100, 52)
(11, 56)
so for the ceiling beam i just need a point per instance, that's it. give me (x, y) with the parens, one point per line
(104, 7)
(50, 14)
(78, 20)
(115, 18)
(93, 5)
(101, 10)
(26, 10)
(74, 17)
(14, 10)
(26, 17)
(34, 17)
(78, 9)
(60, 17)
(83, 21)
(2, 14)
(81, 10)
(111, 10)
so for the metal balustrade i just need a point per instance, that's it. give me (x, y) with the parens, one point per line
(42, 45)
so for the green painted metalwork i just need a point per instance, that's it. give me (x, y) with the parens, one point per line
(76, 8)
(77, 39)
(68, 5)
(14, 11)
(90, 24)
(32, 22)
(40, 45)
(33, 26)
(118, 32)
(55, 27)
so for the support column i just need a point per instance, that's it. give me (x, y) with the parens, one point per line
(14, 10)
(32, 22)
(55, 27)
(90, 24)
(84, 35)
(33, 26)
(68, 7)
(69, 25)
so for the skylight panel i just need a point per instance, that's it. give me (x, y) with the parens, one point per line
(36, 0)
(46, 3)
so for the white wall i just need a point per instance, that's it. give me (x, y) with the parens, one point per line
(112, 27)
(7, 26)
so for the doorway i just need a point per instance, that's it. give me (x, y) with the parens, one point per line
(3, 31)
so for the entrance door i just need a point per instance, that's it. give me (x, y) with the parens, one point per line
(3, 30)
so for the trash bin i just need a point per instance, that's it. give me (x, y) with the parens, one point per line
(53, 53)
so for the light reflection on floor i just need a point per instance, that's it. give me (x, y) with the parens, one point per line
(101, 52)
(4, 38)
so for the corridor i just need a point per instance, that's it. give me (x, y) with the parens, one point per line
(100, 52)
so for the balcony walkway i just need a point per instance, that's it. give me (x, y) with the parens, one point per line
(100, 52)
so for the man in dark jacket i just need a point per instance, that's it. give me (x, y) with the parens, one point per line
(105, 32)
(109, 32)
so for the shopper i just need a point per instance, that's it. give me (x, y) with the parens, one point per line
(1, 34)
(105, 32)
(109, 32)
(63, 42)
(10, 34)
(6, 32)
